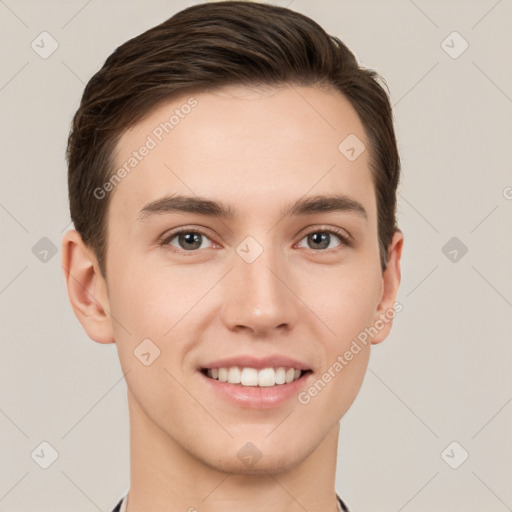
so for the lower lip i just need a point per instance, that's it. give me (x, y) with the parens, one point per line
(256, 397)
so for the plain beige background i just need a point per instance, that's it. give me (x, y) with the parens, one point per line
(443, 376)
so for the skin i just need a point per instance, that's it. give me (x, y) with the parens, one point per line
(256, 150)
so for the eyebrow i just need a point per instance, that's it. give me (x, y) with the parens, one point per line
(203, 206)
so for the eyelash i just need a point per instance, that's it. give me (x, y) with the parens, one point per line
(345, 240)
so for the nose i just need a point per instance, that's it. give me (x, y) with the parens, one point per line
(259, 297)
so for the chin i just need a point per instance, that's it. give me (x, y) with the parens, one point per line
(273, 464)
(258, 458)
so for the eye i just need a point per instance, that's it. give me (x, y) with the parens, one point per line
(191, 240)
(321, 239)
(187, 239)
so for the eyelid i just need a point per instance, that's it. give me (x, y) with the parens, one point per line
(344, 236)
(169, 235)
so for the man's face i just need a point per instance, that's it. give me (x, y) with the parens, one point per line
(259, 284)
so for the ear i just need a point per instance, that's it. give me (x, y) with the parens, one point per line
(385, 312)
(87, 290)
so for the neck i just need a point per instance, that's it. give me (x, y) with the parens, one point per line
(164, 476)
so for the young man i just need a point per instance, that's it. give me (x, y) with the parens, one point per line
(232, 182)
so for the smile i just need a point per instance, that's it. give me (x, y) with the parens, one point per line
(252, 377)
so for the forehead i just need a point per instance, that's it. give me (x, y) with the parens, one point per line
(250, 147)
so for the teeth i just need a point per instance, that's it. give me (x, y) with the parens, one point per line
(249, 377)
(234, 375)
(280, 376)
(223, 374)
(266, 377)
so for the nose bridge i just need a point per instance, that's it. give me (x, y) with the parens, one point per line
(257, 297)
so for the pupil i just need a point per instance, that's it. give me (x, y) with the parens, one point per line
(191, 239)
(321, 237)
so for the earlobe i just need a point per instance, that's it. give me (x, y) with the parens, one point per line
(390, 283)
(86, 287)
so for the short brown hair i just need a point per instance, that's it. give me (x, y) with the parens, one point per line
(205, 47)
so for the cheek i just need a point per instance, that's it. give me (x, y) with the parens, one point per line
(149, 300)
(166, 305)
(347, 307)
(152, 312)
(345, 299)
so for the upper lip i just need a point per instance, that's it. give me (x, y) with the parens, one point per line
(248, 361)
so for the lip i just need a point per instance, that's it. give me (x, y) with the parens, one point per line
(247, 361)
(255, 397)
